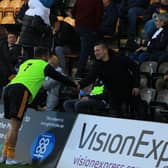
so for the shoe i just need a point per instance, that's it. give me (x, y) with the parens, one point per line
(11, 162)
(3, 159)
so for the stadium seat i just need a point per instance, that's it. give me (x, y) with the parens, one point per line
(16, 4)
(163, 67)
(4, 4)
(8, 18)
(160, 106)
(148, 94)
(147, 69)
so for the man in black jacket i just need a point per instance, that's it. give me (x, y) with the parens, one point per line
(119, 74)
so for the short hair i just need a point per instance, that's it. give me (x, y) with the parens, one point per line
(55, 58)
(102, 43)
(41, 51)
(163, 17)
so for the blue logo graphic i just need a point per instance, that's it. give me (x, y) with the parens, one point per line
(42, 146)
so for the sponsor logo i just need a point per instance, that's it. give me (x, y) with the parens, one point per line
(42, 146)
(143, 146)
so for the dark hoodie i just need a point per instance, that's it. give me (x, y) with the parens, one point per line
(6, 67)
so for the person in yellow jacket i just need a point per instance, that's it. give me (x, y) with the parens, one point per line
(21, 91)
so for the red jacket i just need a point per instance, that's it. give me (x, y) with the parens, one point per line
(88, 14)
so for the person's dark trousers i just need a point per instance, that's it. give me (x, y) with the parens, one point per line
(90, 106)
(118, 107)
(133, 13)
(138, 108)
(87, 39)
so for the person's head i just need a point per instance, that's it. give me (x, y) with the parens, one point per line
(53, 61)
(12, 38)
(106, 2)
(3, 32)
(42, 53)
(161, 20)
(101, 51)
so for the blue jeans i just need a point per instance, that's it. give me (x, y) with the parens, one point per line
(139, 57)
(149, 28)
(132, 20)
(60, 51)
(87, 39)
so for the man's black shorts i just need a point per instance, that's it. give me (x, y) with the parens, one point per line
(16, 98)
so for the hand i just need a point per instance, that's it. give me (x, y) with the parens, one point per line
(78, 85)
(139, 49)
(84, 98)
(135, 91)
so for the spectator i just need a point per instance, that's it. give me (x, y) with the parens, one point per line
(109, 21)
(156, 48)
(66, 40)
(21, 91)
(6, 66)
(119, 74)
(14, 48)
(52, 86)
(88, 15)
(149, 16)
(94, 103)
(132, 9)
(36, 29)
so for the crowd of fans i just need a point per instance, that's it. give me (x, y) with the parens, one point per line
(114, 77)
(94, 20)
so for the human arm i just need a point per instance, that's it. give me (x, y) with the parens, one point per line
(142, 48)
(135, 73)
(50, 71)
(90, 78)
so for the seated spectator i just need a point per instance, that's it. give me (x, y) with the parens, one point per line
(52, 86)
(149, 16)
(132, 9)
(156, 48)
(119, 74)
(6, 66)
(94, 103)
(109, 21)
(66, 40)
(14, 48)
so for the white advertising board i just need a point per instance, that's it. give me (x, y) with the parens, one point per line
(104, 142)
